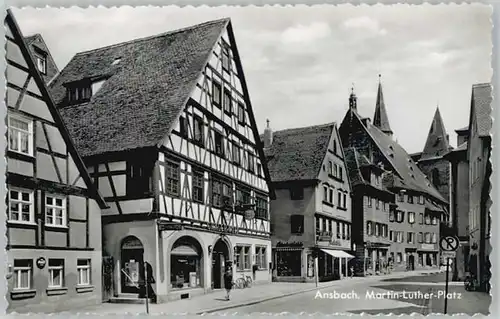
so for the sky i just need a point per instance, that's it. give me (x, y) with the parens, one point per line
(300, 62)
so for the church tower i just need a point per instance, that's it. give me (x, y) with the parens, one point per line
(431, 161)
(380, 118)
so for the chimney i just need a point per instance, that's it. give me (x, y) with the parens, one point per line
(268, 135)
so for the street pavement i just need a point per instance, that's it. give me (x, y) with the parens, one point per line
(372, 295)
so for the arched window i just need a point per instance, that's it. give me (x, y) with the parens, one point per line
(186, 263)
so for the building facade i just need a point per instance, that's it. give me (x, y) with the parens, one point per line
(53, 209)
(478, 156)
(185, 182)
(459, 202)
(311, 211)
(414, 218)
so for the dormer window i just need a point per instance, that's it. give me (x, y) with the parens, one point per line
(80, 93)
(41, 60)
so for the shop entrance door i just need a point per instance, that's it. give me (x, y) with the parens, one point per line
(220, 256)
(132, 259)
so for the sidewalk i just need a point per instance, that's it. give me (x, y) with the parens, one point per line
(215, 301)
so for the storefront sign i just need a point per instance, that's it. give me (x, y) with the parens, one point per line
(427, 247)
(289, 244)
(169, 226)
(41, 262)
(222, 228)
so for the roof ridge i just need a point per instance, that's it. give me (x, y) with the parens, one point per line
(154, 36)
(481, 84)
(306, 127)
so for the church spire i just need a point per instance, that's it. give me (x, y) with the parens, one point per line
(353, 100)
(380, 118)
(437, 143)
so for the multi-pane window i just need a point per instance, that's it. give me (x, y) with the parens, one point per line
(261, 257)
(241, 113)
(20, 134)
(83, 272)
(23, 274)
(260, 207)
(226, 58)
(56, 273)
(172, 178)
(242, 195)
(55, 211)
(220, 189)
(411, 217)
(236, 154)
(242, 257)
(198, 185)
(297, 224)
(21, 205)
(219, 144)
(41, 62)
(228, 101)
(216, 93)
(198, 130)
(79, 93)
(251, 162)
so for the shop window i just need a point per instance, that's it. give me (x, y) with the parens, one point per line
(56, 273)
(289, 263)
(242, 258)
(261, 257)
(185, 265)
(23, 274)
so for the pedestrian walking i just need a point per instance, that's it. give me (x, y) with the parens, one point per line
(228, 282)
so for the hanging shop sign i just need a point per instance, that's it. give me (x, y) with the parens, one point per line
(41, 262)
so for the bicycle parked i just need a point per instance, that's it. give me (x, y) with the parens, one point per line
(243, 282)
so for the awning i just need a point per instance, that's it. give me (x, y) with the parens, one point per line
(337, 253)
(184, 250)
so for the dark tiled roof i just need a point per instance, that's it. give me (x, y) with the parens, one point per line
(353, 165)
(462, 147)
(144, 92)
(482, 97)
(437, 141)
(298, 153)
(416, 156)
(411, 176)
(380, 118)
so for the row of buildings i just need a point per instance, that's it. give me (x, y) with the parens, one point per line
(142, 155)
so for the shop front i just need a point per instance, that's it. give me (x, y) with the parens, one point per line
(333, 264)
(377, 258)
(290, 263)
(428, 256)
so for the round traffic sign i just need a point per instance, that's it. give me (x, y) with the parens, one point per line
(449, 243)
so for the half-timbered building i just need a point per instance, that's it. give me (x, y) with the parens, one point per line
(414, 224)
(166, 127)
(53, 208)
(478, 156)
(311, 211)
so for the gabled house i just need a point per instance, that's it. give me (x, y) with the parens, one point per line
(478, 156)
(53, 209)
(166, 127)
(414, 225)
(42, 57)
(311, 211)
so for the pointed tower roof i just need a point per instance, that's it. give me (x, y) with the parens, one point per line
(380, 118)
(437, 143)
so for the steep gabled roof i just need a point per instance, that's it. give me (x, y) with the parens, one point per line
(25, 51)
(481, 99)
(437, 140)
(380, 118)
(36, 41)
(147, 84)
(297, 154)
(407, 174)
